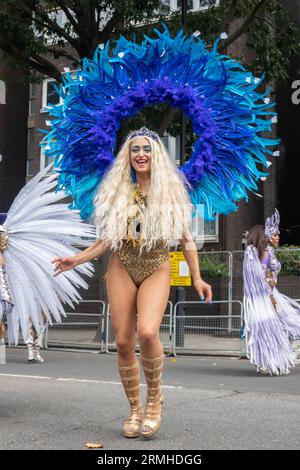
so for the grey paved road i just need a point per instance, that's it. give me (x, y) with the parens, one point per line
(210, 403)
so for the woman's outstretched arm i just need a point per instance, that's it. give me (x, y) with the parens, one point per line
(96, 250)
(190, 253)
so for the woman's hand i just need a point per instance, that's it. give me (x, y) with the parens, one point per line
(271, 282)
(204, 290)
(64, 264)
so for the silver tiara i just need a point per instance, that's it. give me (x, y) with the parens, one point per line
(272, 225)
(144, 132)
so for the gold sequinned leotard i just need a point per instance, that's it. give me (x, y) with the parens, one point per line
(140, 264)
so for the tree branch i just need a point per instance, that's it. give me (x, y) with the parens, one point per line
(41, 18)
(44, 70)
(65, 9)
(41, 65)
(115, 22)
(63, 53)
(98, 18)
(229, 16)
(54, 71)
(243, 28)
(46, 21)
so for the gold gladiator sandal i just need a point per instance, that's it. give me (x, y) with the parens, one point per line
(152, 416)
(130, 376)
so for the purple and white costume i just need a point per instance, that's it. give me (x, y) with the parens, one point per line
(268, 329)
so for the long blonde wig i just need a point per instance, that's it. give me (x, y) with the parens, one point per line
(168, 211)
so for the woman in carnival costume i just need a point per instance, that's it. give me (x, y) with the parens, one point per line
(138, 222)
(272, 320)
(140, 201)
(36, 227)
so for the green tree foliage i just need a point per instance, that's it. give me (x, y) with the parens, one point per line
(26, 25)
(271, 40)
(35, 41)
(289, 256)
(212, 266)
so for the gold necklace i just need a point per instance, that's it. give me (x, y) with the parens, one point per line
(136, 215)
(138, 196)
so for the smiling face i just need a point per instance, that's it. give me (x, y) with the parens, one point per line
(140, 155)
(275, 240)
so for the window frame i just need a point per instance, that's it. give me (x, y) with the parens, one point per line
(171, 147)
(45, 108)
(213, 238)
(196, 6)
(2, 92)
(32, 98)
(43, 161)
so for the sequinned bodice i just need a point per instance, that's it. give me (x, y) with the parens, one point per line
(270, 264)
(140, 263)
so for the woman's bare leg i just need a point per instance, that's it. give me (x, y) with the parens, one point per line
(122, 299)
(152, 300)
(122, 293)
(151, 304)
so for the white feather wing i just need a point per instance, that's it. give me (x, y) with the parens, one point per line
(40, 228)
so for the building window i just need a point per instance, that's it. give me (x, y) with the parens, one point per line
(2, 92)
(50, 94)
(29, 167)
(60, 18)
(45, 161)
(204, 4)
(171, 144)
(192, 5)
(202, 231)
(30, 152)
(211, 230)
(172, 4)
(32, 99)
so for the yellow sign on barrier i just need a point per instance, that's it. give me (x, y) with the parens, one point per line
(180, 273)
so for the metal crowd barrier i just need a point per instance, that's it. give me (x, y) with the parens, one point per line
(205, 332)
(180, 332)
(84, 329)
(223, 258)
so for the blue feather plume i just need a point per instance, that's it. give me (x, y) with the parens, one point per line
(228, 114)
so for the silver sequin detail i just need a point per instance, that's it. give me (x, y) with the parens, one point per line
(4, 288)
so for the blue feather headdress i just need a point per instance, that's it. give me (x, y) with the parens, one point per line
(215, 92)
